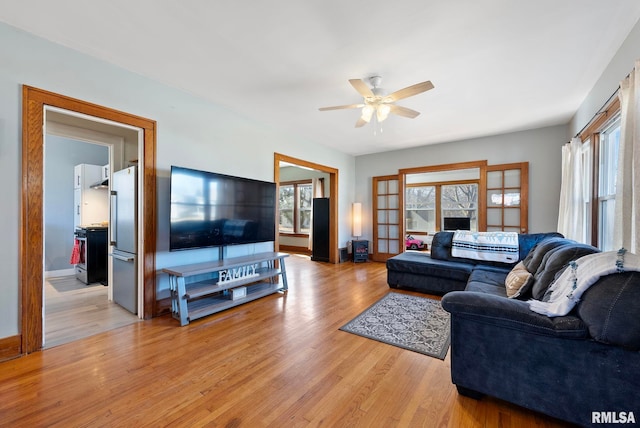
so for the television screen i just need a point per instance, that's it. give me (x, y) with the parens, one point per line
(210, 209)
(457, 223)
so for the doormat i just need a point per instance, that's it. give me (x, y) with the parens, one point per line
(415, 323)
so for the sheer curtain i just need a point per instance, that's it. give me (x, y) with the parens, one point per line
(572, 203)
(628, 177)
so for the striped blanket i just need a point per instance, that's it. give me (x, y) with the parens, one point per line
(581, 274)
(488, 246)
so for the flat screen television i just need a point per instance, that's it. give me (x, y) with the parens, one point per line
(457, 223)
(211, 210)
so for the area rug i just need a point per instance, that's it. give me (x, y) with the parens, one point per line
(415, 323)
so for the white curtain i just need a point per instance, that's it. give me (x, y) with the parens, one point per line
(628, 176)
(572, 206)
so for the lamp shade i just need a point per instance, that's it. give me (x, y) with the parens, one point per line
(356, 219)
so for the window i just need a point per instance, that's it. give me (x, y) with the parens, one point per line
(587, 174)
(608, 167)
(420, 203)
(460, 200)
(601, 140)
(295, 207)
(427, 205)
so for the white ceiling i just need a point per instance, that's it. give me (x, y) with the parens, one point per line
(497, 65)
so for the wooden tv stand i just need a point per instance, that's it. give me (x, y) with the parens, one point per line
(201, 289)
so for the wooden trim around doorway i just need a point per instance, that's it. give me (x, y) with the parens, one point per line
(333, 198)
(10, 347)
(34, 101)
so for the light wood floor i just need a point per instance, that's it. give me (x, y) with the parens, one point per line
(73, 310)
(279, 361)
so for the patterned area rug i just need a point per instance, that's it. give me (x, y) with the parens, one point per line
(410, 322)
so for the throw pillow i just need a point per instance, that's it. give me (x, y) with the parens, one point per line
(518, 281)
(553, 262)
(534, 258)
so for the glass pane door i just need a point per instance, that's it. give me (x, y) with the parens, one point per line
(387, 201)
(507, 196)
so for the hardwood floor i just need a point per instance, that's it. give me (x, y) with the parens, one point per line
(279, 361)
(73, 310)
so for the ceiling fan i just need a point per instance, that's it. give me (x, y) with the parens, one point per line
(376, 101)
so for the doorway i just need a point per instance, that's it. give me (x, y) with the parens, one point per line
(78, 298)
(35, 101)
(333, 197)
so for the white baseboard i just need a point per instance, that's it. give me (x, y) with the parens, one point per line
(61, 272)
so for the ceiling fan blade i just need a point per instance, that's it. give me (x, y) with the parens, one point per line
(403, 111)
(362, 88)
(341, 107)
(410, 91)
(361, 122)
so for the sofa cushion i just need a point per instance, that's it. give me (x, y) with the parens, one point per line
(488, 281)
(519, 278)
(441, 245)
(533, 260)
(529, 240)
(553, 263)
(423, 264)
(610, 309)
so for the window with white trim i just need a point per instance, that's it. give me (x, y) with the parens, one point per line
(295, 201)
(607, 167)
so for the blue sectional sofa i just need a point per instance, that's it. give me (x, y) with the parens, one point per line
(438, 272)
(583, 367)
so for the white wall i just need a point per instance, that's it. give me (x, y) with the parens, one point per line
(540, 147)
(191, 132)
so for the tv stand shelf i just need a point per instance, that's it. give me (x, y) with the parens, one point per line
(198, 290)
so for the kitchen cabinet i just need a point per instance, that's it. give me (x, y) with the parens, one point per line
(105, 172)
(91, 206)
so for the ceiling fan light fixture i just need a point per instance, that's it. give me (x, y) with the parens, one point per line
(367, 112)
(382, 112)
(375, 100)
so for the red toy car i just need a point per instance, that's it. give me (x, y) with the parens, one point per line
(414, 244)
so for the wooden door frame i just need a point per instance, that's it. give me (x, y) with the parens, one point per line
(482, 186)
(34, 101)
(333, 198)
(524, 190)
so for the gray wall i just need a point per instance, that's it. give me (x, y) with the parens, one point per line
(192, 132)
(540, 147)
(620, 66)
(61, 155)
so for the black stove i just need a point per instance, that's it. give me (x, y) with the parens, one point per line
(92, 266)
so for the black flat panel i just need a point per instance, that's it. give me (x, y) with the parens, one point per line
(320, 224)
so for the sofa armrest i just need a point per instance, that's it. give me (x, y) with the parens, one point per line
(510, 313)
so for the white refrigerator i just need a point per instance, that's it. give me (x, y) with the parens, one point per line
(124, 237)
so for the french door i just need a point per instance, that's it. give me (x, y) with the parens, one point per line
(387, 212)
(507, 197)
(502, 204)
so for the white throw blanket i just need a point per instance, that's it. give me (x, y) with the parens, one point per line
(579, 276)
(489, 246)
